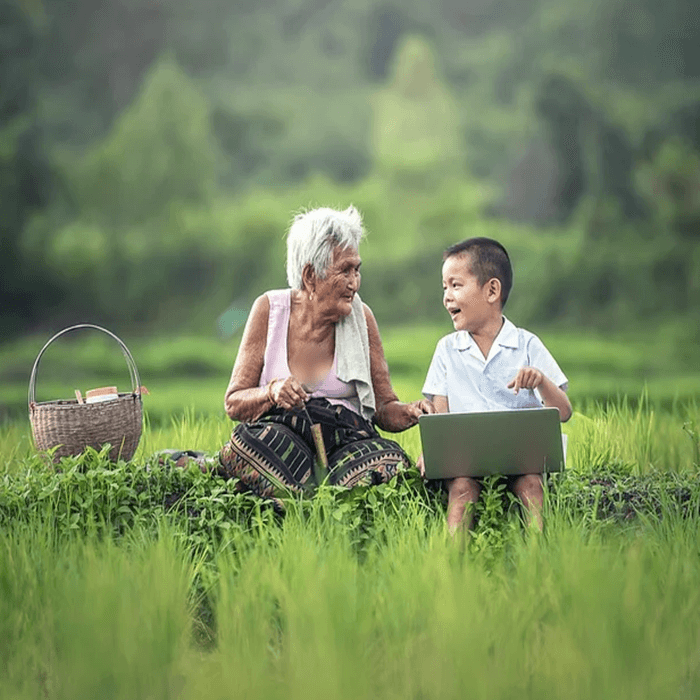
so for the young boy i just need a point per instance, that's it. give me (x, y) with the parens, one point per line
(488, 364)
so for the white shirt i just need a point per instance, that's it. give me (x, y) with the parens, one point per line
(471, 383)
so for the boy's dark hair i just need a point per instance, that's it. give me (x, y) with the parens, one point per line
(488, 259)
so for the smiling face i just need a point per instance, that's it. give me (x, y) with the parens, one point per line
(336, 291)
(470, 304)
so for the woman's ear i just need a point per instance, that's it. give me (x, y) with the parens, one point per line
(308, 278)
(493, 290)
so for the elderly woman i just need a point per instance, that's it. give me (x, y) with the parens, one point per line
(314, 346)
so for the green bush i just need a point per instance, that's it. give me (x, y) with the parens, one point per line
(159, 150)
(186, 267)
(416, 126)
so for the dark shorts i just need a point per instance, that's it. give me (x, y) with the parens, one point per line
(274, 455)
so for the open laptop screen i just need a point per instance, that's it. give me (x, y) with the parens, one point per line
(524, 441)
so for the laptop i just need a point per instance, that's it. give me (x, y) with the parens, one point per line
(522, 441)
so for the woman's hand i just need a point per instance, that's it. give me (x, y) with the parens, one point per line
(396, 416)
(287, 393)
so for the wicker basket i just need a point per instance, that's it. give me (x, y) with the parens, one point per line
(73, 426)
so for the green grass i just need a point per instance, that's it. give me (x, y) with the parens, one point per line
(297, 611)
(190, 373)
(140, 581)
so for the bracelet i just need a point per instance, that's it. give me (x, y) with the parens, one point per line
(269, 391)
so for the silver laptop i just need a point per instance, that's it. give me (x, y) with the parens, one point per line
(522, 441)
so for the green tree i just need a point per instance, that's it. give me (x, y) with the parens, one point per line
(159, 151)
(416, 126)
(670, 182)
(26, 178)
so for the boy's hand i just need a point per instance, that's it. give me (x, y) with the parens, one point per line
(420, 464)
(424, 406)
(526, 378)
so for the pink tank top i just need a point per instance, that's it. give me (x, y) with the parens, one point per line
(276, 364)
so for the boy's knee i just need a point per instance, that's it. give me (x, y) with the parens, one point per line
(528, 487)
(464, 488)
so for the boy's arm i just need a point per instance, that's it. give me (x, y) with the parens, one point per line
(441, 406)
(552, 395)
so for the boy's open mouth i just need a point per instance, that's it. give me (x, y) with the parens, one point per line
(453, 312)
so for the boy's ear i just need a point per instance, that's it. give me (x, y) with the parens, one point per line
(493, 290)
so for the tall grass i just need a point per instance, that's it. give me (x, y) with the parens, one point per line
(641, 436)
(574, 613)
(110, 588)
(90, 619)
(185, 430)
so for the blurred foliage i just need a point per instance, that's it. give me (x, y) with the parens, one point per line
(670, 181)
(27, 289)
(185, 269)
(158, 153)
(152, 156)
(415, 127)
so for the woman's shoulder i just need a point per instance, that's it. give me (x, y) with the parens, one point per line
(272, 301)
(259, 311)
(278, 297)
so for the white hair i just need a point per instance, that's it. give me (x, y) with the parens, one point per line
(314, 234)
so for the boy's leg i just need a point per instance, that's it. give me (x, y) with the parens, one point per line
(528, 489)
(462, 491)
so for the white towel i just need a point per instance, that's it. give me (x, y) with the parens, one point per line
(352, 348)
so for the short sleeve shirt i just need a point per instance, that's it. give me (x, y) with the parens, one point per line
(473, 383)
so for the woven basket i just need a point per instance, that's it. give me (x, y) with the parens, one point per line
(73, 426)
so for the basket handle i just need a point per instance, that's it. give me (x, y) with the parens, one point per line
(133, 372)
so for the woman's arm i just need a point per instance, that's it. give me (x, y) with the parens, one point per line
(245, 400)
(391, 414)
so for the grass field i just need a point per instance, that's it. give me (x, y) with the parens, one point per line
(191, 373)
(140, 581)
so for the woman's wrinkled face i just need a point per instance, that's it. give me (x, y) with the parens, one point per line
(337, 290)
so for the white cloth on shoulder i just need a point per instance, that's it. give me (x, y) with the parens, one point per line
(352, 350)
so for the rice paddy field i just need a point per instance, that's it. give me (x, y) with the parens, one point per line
(139, 580)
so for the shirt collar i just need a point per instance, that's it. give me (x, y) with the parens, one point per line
(507, 337)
